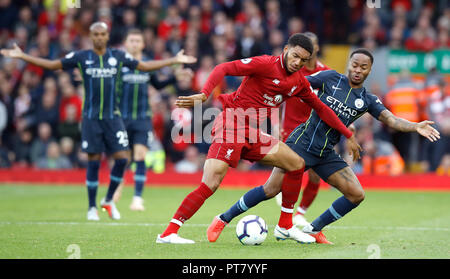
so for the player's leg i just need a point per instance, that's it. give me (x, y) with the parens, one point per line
(288, 167)
(92, 144)
(116, 144)
(213, 173)
(93, 167)
(285, 161)
(289, 184)
(140, 176)
(309, 194)
(353, 194)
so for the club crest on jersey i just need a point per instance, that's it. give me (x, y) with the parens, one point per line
(278, 98)
(359, 103)
(112, 61)
(246, 60)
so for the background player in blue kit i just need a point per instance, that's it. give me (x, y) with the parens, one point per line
(314, 141)
(102, 127)
(135, 109)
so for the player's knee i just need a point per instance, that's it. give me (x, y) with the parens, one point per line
(139, 155)
(213, 174)
(357, 195)
(296, 163)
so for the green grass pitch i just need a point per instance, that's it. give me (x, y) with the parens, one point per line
(47, 222)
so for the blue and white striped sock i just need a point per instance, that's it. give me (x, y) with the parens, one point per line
(116, 177)
(248, 200)
(139, 178)
(337, 210)
(92, 181)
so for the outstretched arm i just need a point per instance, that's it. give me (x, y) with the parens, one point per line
(424, 128)
(16, 52)
(243, 67)
(180, 58)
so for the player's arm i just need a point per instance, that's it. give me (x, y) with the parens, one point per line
(243, 67)
(325, 113)
(423, 128)
(352, 145)
(16, 52)
(180, 58)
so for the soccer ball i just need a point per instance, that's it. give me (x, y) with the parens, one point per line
(251, 230)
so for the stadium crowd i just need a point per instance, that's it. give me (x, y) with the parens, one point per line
(40, 111)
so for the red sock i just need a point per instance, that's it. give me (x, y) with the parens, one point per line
(188, 207)
(292, 183)
(309, 194)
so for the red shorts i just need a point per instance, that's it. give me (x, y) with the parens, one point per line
(234, 142)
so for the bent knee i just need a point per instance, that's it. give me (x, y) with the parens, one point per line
(295, 163)
(356, 196)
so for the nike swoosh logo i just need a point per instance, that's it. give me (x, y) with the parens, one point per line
(286, 235)
(336, 88)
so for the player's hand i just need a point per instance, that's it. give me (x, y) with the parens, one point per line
(184, 59)
(354, 148)
(15, 52)
(425, 129)
(190, 101)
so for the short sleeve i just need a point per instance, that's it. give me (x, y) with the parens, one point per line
(127, 59)
(70, 60)
(375, 105)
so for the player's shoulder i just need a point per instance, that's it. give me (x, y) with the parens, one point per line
(261, 59)
(120, 53)
(327, 74)
(76, 53)
(321, 66)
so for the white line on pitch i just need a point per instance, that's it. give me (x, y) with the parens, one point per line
(206, 225)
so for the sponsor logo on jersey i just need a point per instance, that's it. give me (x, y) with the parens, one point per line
(276, 81)
(246, 60)
(341, 108)
(136, 78)
(89, 62)
(101, 72)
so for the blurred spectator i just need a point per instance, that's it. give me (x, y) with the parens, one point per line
(172, 20)
(53, 158)
(192, 161)
(405, 100)
(68, 150)
(40, 144)
(438, 110)
(22, 147)
(47, 109)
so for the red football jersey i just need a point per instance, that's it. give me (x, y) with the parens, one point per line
(266, 85)
(295, 111)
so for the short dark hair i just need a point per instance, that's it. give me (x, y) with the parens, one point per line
(300, 39)
(363, 51)
(312, 36)
(133, 31)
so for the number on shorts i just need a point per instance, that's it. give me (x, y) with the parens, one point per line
(123, 138)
